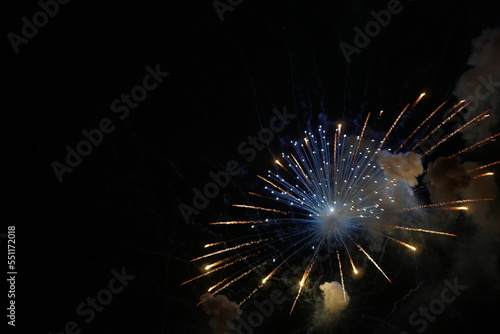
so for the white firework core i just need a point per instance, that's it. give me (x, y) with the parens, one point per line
(337, 189)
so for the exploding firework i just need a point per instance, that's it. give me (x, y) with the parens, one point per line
(336, 191)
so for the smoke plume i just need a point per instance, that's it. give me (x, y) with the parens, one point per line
(333, 303)
(481, 85)
(448, 177)
(222, 312)
(402, 166)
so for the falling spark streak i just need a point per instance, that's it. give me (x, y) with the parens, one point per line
(392, 126)
(417, 100)
(399, 117)
(280, 189)
(215, 244)
(476, 146)
(372, 261)
(257, 195)
(353, 266)
(258, 208)
(483, 175)
(231, 248)
(221, 267)
(476, 119)
(341, 276)
(302, 281)
(420, 126)
(482, 167)
(436, 205)
(235, 222)
(405, 244)
(360, 139)
(455, 111)
(228, 283)
(355, 271)
(456, 208)
(421, 230)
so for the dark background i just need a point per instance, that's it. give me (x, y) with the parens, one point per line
(119, 207)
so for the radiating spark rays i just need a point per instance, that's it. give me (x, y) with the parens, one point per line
(420, 126)
(443, 204)
(421, 230)
(476, 145)
(230, 249)
(372, 261)
(259, 208)
(392, 126)
(454, 111)
(476, 119)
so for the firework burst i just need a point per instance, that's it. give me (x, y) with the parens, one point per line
(336, 191)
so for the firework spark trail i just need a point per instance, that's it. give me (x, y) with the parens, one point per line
(221, 267)
(303, 280)
(407, 107)
(482, 167)
(454, 111)
(360, 138)
(420, 126)
(437, 205)
(341, 276)
(476, 145)
(258, 208)
(371, 260)
(483, 175)
(476, 119)
(230, 249)
(354, 269)
(421, 230)
(392, 127)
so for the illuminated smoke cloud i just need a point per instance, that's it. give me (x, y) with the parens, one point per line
(222, 312)
(333, 303)
(402, 166)
(481, 84)
(448, 177)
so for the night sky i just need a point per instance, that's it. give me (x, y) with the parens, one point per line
(213, 78)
